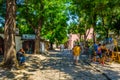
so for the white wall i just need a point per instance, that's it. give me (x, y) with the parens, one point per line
(42, 47)
(18, 41)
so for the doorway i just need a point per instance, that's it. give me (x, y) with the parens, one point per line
(28, 46)
(1, 46)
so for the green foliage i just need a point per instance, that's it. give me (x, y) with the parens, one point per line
(102, 15)
(2, 8)
(92, 12)
(116, 25)
(24, 29)
(53, 15)
(55, 25)
(2, 14)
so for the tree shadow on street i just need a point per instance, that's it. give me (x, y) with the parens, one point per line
(63, 63)
(6, 74)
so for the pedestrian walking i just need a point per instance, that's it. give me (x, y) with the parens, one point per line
(76, 53)
(95, 50)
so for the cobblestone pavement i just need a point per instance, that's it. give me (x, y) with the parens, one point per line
(64, 69)
(112, 71)
(58, 66)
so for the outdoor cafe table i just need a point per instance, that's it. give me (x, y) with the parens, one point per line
(116, 56)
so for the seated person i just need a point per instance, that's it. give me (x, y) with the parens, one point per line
(21, 56)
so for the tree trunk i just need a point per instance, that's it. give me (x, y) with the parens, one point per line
(94, 36)
(80, 37)
(106, 29)
(107, 33)
(87, 31)
(9, 34)
(37, 41)
(93, 25)
(118, 33)
(85, 38)
(40, 23)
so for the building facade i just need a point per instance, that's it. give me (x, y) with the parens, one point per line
(76, 37)
(18, 42)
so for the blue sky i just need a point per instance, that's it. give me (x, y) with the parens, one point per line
(72, 18)
(1, 21)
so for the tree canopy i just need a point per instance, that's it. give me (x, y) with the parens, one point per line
(52, 16)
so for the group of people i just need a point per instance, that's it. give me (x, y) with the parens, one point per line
(95, 53)
(101, 53)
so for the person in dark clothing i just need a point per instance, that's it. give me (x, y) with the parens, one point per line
(21, 56)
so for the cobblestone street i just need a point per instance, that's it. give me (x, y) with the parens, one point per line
(58, 66)
(59, 39)
(65, 70)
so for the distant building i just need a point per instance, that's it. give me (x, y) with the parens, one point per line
(27, 42)
(76, 37)
(89, 33)
(72, 39)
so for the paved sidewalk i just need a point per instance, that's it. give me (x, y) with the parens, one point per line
(112, 71)
(58, 66)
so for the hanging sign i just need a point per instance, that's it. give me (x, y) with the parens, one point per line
(28, 36)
